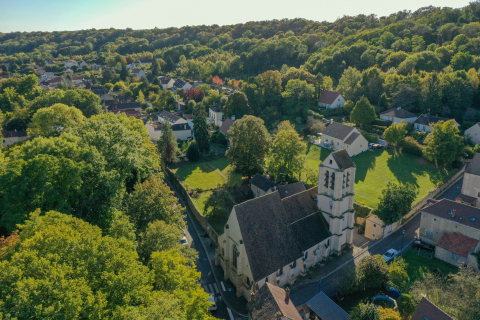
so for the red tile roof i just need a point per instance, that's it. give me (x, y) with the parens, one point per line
(328, 97)
(427, 310)
(457, 243)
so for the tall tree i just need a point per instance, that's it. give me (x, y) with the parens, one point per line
(297, 97)
(444, 144)
(349, 84)
(200, 128)
(395, 133)
(250, 145)
(395, 202)
(158, 236)
(287, 155)
(155, 68)
(124, 72)
(167, 143)
(54, 120)
(363, 113)
(237, 105)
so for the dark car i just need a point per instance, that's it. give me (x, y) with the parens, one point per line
(422, 245)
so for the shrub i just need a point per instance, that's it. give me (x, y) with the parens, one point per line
(469, 152)
(193, 152)
(410, 145)
(221, 139)
(406, 305)
(383, 123)
(370, 138)
(419, 136)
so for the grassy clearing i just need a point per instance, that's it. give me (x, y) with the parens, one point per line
(199, 202)
(418, 265)
(376, 169)
(198, 175)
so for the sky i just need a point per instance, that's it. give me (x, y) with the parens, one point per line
(60, 15)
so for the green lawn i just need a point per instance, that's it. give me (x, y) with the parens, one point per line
(376, 169)
(199, 202)
(198, 175)
(419, 265)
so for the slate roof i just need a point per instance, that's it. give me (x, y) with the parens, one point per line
(15, 133)
(337, 130)
(269, 219)
(328, 97)
(398, 113)
(342, 159)
(261, 182)
(351, 138)
(464, 213)
(127, 105)
(326, 309)
(146, 60)
(226, 125)
(168, 115)
(457, 243)
(287, 190)
(135, 70)
(165, 80)
(427, 310)
(465, 198)
(271, 300)
(179, 83)
(428, 120)
(474, 165)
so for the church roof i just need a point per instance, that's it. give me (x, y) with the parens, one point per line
(287, 223)
(342, 159)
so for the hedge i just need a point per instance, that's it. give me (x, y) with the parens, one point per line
(410, 145)
(370, 138)
(361, 211)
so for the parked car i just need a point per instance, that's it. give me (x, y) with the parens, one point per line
(377, 146)
(390, 255)
(422, 245)
(183, 241)
(212, 299)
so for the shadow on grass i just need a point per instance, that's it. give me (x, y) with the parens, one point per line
(365, 162)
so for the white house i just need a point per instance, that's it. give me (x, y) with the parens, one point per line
(275, 240)
(10, 137)
(473, 133)
(71, 63)
(338, 136)
(180, 84)
(398, 115)
(180, 126)
(425, 122)
(77, 80)
(167, 83)
(331, 100)
(81, 64)
(136, 72)
(215, 114)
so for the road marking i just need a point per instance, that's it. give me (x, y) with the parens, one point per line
(230, 314)
(223, 287)
(211, 289)
(216, 288)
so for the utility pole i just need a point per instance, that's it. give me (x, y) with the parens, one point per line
(403, 237)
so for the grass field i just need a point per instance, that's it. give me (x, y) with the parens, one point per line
(199, 175)
(419, 265)
(376, 169)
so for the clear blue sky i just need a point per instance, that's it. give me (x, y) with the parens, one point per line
(59, 15)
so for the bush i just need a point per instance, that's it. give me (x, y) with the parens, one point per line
(221, 139)
(410, 145)
(383, 123)
(419, 136)
(193, 152)
(406, 305)
(370, 138)
(469, 152)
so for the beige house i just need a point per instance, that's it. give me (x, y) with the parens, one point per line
(331, 100)
(474, 133)
(10, 137)
(215, 114)
(471, 181)
(167, 83)
(260, 185)
(338, 136)
(425, 122)
(461, 223)
(137, 72)
(376, 229)
(274, 239)
(398, 115)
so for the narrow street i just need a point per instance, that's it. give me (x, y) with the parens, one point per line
(207, 280)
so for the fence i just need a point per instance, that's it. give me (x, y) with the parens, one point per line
(198, 216)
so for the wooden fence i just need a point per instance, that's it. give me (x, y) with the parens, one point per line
(198, 216)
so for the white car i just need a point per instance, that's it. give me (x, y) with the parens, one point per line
(183, 241)
(390, 255)
(212, 299)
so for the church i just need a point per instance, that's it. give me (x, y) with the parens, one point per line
(274, 239)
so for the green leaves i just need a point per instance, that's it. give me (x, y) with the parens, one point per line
(395, 202)
(363, 113)
(444, 144)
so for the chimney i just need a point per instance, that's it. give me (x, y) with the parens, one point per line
(453, 213)
(287, 294)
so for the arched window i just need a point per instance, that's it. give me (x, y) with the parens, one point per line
(235, 256)
(327, 174)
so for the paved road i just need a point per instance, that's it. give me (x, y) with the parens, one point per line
(207, 279)
(452, 192)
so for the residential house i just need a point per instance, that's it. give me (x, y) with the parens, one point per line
(95, 66)
(123, 106)
(451, 225)
(81, 64)
(398, 115)
(215, 114)
(71, 63)
(473, 133)
(471, 182)
(338, 136)
(136, 72)
(261, 185)
(53, 83)
(129, 112)
(40, 72)
(69, 71)
(77, 80)
(272, 303)
(181, 106)
(425, 122)
(10, 137)
(145, 61)
(274, 240)
(226, 125)
(180, 126)
(180, 84)
(426, 310)
(376, 229)
(331, 100)
(167, 83)
(49, 62)
(189, 118)
(321, 307)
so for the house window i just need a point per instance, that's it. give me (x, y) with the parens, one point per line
(429, 234)
(235, 256)
(332, 162)
(478, 194)
(374, 225)
(248, 281)
(294, 264)
(305, 255)
(454, 257)
(266, 279)
(280, 271)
